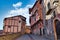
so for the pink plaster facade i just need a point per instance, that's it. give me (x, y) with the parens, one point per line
(14, 24)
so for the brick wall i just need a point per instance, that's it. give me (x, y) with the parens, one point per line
(36, 17)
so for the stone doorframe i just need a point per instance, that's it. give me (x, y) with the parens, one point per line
(54, 27)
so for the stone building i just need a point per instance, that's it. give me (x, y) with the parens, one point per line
(48, 4)
(36, 18)
(28, 29)
(14, 24)
(52, 15)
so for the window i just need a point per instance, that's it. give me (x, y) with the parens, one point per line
(49, 5)
(9, 26)
(34, 18)
(43, 31)
(56, 1)
(46, 22)
(40, 32)
(3, 27)
(40, 1)
(54, 14)
(36, 26)
(36, 13)
(19, 21)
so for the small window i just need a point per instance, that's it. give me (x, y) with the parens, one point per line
(3, 27)
(19, 21)
(54, 14)
(56, 1)
(9, 26)
(36, 13)
(49, 5)
(34, 18)
(46, 22)
(43, 31)
(40, 31)
(40, 1)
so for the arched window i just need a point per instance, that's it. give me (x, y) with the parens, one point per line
(56, 1)
(54, 14)
(48, 5)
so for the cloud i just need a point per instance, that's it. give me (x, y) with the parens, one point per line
(20, 11)
(29, 6)
(17, 5)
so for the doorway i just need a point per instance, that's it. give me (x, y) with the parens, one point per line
(40, 31)
(57, 26)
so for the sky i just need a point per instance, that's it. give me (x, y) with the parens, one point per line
(9, 8)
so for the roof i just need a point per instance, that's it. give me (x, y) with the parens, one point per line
(34, 4)
(30, 9)
(16, 16)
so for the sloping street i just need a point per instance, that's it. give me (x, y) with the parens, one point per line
(31, 37)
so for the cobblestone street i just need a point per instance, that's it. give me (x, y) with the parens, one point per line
(31, 37)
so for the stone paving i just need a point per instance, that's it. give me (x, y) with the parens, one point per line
(32, 37)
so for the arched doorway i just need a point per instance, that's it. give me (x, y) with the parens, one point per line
(57, 28)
